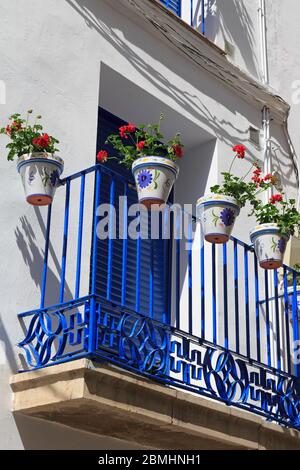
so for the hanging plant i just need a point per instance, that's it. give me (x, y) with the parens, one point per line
(143, 149)
(278, 220)
(217, 211)
(37, 163)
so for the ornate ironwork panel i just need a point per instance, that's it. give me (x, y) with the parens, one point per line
(55, 334)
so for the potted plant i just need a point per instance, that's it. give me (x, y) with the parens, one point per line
(151, 159)
(37, 163)
(217, 211)
(278, 220)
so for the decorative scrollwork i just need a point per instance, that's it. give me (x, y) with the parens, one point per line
(135, 340)
(53, 334)
(227, 377)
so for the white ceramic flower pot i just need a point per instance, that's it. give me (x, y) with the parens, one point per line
(40, 172)
(269, 245)
(154, 178)
(217, 214)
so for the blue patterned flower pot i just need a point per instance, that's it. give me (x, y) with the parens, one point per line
(217, 214)
(154, 179)
(269, 245)
(40, 172)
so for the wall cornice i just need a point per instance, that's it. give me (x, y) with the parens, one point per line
(208, 56)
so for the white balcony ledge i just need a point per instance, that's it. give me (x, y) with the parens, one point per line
(106, 400)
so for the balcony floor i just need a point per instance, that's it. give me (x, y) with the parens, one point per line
(106, 400)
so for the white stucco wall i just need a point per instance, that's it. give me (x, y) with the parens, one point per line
(56, 55)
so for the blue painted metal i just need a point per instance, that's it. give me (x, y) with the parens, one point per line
(65, 243)
(138, 272)
(110, 239)
(45, 264)
(203, 17)
(190, 277)
(257, 309)
(202, 269)
(225, 294)
(177, 273)
(93, 312)
(79, 237)
(246, 280)
(236, 295)
(94, 326)
(125, 243)
(295, 326)
(277, 320)
(286, 315)
(214, 294)
(174, 5)
(267, 305)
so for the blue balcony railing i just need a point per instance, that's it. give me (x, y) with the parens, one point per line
(231, 328)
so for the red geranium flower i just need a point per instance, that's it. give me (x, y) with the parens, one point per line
(268, 177)
(141, 145)
(240, 150)
(178, 150)
(43, 141)
(257, 172)
(276, 198)
(102, 156)
(8, 129)
(124, 130)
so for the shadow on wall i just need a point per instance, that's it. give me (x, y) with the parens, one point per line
(7, 354)
(33, 257)
(232, 21)
(107, 26)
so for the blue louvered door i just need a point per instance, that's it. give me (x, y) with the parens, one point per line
(133, 273)
(174, 5)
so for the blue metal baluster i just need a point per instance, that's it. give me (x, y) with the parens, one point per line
(192, 13)
(236, 295)
(65, 244)
(138, 267)
(111, 232)
(287, 317)
(202, 266)
(151, 279)
(177, 281)
(225, 296)
(267, 317)
(92, 341)
(246, 273)
(203, 17)
(214, 299)
(125, 244)
(277, 320)
(190, 278)
(45, 266)
(79, 237)
(257, 309)
(295, 325)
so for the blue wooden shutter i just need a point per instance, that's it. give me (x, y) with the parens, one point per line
(174, 5)
(153, 253)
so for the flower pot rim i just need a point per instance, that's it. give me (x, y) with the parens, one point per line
(217, 198)
(266, 229)
(155, 160)
(40, 155)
